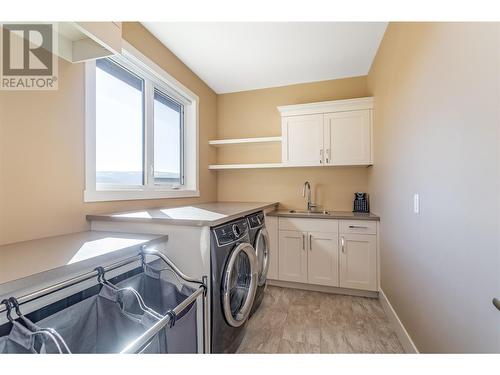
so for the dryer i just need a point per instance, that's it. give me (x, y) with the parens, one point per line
(259, 238)
(234, 282)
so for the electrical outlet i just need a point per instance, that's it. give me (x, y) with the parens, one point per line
(416, 203)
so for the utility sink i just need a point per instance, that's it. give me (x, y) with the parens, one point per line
(299, 212)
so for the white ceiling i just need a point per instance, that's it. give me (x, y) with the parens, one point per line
(232, 57)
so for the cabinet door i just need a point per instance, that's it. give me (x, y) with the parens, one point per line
(302, 140)
(348, 138)
(358, 261)
(292, 256)
(323, 261)
(272, 230)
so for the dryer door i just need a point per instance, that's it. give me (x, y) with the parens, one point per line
(239, 284)
(262, 249)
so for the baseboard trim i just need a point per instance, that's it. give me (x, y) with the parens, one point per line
(323, 288)
(403, 335)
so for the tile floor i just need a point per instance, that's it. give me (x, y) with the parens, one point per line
(297, 321)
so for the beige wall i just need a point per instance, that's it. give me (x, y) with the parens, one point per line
(254, 114)
(42, 150)
(436, 124)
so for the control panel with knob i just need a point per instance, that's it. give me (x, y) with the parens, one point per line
(231, 232)
(256, 220)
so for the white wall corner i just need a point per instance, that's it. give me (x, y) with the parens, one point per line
(403, 335)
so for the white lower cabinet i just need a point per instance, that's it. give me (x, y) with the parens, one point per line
(323, 259)
(326, 257)
(292, 256)
(272, 230)
(358, 261)
(308, 257)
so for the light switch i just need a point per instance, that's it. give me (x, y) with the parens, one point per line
(416, 203)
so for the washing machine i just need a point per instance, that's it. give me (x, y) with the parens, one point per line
(234, 275)
(259, 238)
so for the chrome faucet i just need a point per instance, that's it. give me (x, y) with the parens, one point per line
(307, 189)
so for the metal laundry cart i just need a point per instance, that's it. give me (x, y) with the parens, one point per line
(172, 329)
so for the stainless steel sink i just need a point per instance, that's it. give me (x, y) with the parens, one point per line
(299, 212)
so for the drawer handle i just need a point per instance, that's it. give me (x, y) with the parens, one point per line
(357, 227)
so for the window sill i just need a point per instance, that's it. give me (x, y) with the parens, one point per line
(124, 195)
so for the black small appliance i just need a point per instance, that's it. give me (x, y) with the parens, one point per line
(360, 203)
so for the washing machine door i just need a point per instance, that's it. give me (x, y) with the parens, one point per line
(239, 284)
(262, 249)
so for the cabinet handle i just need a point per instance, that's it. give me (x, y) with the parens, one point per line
(342, 244)
(303, 242)
(321, 156)
(357, 227)
(310, 242)
(327, 155)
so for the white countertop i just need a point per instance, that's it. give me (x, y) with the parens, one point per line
(204, 214)
(23, 259)
(340, 215)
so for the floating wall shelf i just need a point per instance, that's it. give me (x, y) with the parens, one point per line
(220, 167)
(242, 141)
(245, 166)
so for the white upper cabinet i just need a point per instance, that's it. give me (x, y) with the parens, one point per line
(348, 137)
(302, 138)
(327, 133)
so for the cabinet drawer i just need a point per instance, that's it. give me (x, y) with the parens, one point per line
(358, 226)
(309, 225)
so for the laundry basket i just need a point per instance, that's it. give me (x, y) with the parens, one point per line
(99, 325)
(29, 338)
(21, 340)
(161, 294)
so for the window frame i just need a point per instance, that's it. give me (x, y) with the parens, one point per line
(181, 138)
(154, 78)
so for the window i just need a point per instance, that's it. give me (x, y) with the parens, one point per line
(141, 131)
(119, 125)
(168, 124)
